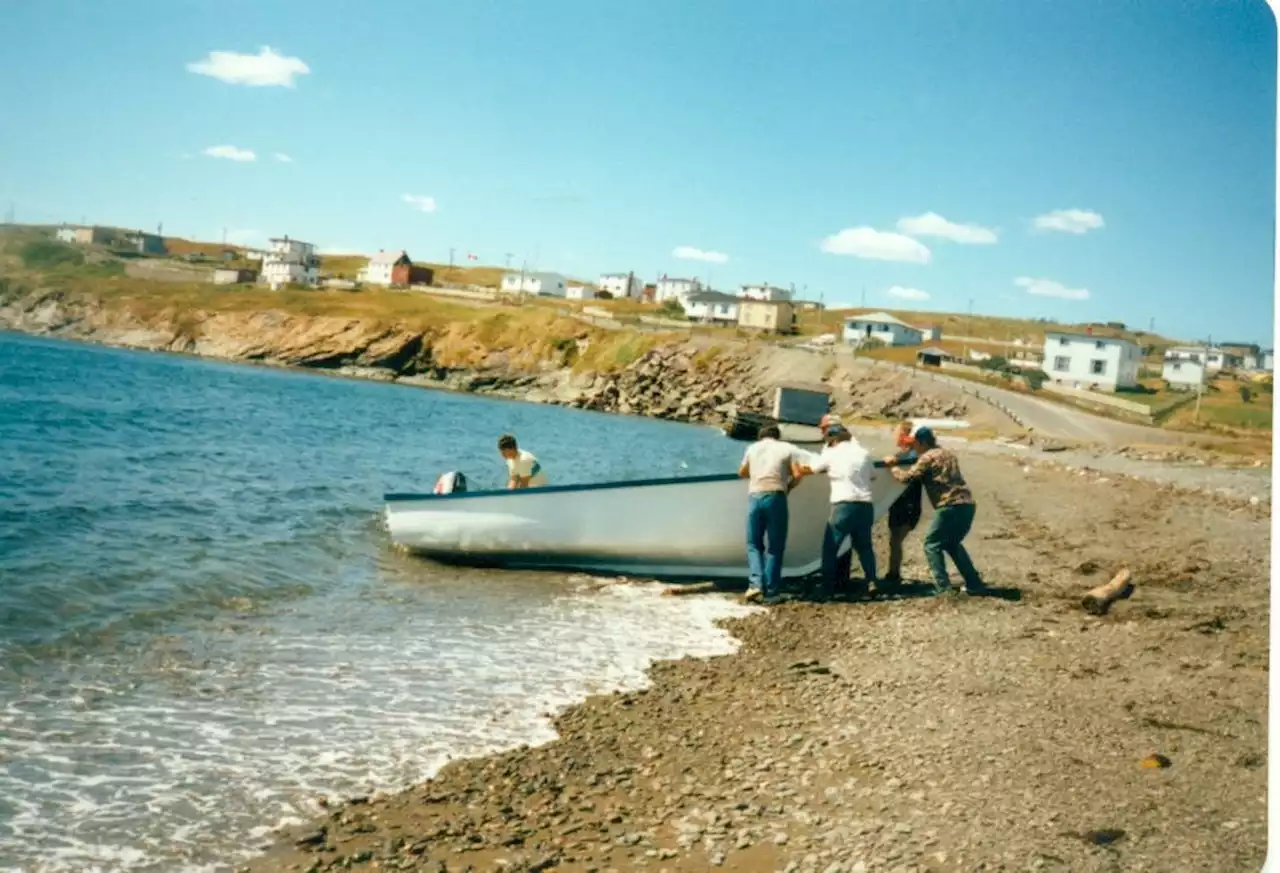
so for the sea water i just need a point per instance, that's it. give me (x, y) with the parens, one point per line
(204, 628)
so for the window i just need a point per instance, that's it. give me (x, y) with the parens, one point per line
(1062, 363)
(1062, 341)
(1097, 344)
(1098, 368)
(1177, 367)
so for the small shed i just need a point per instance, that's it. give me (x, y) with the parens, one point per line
(933, 356)
(801, 402)
(232, 276)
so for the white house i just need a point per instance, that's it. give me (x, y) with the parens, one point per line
(622, 286)
(765, 292)
(883, 327)
(66, 234)
(579, 292)
(675, 289)
(378, 270)
(713, 306)
(1214, 359)
(544, 284)
(1183, 374)
(1087, 361)
(1268, 361)
(290, 262)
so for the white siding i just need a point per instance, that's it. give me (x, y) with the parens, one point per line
(578, 292)
(1083, 362)
(1182, 373)
(622, 287)
(889, 334)
(376, 274)
(67, 234)
(718, 311)
(765, 292)
(547, 284)
(289, 262)
(676, 289)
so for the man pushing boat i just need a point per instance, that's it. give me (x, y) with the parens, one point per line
(773, 466)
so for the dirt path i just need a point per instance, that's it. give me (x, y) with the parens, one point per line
(920, 734)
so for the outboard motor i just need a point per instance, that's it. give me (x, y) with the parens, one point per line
(452, 482)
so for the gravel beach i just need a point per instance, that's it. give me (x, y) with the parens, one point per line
(922, 733)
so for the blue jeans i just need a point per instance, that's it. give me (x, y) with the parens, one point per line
(946, 535)
(767, 518)
(851, 520)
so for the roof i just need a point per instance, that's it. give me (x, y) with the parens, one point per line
(764, 286)
(386, 259)
(614, 275)
(1090, 336)
(675, 279)
(934, 351)
(879, 318)
(755, 302)
(713, 297)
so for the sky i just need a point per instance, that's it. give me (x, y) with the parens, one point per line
(1078, 161)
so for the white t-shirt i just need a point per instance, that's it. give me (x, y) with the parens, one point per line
(769, 464)
(849, 467)
(525, 465)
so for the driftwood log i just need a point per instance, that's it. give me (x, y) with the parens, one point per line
(1099, 600)
(692, 588)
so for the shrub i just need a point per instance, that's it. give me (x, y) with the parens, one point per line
(672, 309)
(1035, 378)
(45, 254)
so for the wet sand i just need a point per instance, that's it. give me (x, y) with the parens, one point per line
(915, 734)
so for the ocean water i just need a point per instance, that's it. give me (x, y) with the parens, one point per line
(204, 628)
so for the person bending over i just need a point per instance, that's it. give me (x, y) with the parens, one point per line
(773, 468)
(905, 512)
(523, 469)
(938, 471)
(848, 466)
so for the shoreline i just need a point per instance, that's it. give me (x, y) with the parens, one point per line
(922, 733)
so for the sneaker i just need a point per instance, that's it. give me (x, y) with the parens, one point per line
(979, 590)
(754, 595)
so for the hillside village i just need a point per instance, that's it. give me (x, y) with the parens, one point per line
(1104, 367)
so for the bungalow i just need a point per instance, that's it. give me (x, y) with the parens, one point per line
(1268, 360)
(394, 268)
(579, 292)
(1103, 363)
(543, 284)
(1213, 358)
(145, 243)
(771, 316)
(883, 327)
(675, 289)
(712, 306)
(84, 236)
(622, 286)
(1183, 374)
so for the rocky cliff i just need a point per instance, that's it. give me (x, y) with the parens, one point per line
(552, 363)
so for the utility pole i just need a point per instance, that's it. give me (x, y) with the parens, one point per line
(508, 257)
(864, 297)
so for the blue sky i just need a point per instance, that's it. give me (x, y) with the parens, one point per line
(849, 148)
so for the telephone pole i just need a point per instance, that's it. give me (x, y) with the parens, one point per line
(508, 257)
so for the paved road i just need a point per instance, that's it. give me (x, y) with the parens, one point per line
(1056, 420)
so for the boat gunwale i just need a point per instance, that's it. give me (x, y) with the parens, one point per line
(411, 497)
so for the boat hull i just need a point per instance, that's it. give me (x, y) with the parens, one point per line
(670, 528)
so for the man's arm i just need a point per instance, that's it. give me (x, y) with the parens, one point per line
(744, 469)
(918, 470)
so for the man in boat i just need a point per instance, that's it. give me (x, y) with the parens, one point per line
(938, 471)
(848, 465)
(905, 512)
(773, 468)
(523, 469)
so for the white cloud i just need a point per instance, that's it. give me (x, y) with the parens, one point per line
(264, 68)
(867, 242)
(230, 153)
(903, 293)
(417, 201)
(933, 224)
(1050, 288)
(1070, 221)
(283, 158)
(689, 253)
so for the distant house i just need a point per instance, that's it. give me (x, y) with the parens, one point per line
(1183, 373)
(712, 306)
(765, 292)
(650, 293)
(290, 262)
(145, 243)
(1268, 362)
(932, 333)
(1214, 359)
(233, 276)
(675, 289)
(1086, 361)
(84, 236)
(622, 286)
(543, 284)
(808, 305)
(883, 327)
(771, 316)
(394, 268)
(579, 292)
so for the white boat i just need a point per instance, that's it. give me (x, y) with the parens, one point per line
(691, 527)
